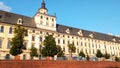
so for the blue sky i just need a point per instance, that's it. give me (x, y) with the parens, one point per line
(94, 15)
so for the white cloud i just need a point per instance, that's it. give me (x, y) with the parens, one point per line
(4, 7)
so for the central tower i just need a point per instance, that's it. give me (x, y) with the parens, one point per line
(43, 20)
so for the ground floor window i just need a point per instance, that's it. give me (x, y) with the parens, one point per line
(24, 57)
(7, 57)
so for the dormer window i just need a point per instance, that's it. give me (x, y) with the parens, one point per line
(80, 33)
(114, 39)
(91, 35)
(68, 31)
(20, 21)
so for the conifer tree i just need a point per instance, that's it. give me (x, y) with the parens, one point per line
(72, 49)
(33, 52)
(50, 48)
(17, 45)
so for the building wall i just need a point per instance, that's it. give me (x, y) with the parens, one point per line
(88, 45)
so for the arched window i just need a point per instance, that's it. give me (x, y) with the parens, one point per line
(2, 29)
(10, 30)
(7, 56)
(41, 17)
(20, 21)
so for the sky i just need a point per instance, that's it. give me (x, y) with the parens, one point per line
(95, 15)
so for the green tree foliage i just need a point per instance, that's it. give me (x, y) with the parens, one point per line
(60, 52)
(107, 56)
(50, 48)
(33, 52)
(88, 58)
(17, 45)
(117, 59)
(99, 54)
(81, 54)
(72, 49)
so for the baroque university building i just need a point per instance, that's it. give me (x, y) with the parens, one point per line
(43, 24)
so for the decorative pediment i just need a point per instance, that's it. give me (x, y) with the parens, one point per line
(80, 33)
(91, 35)
(119, 40)
(114, 39)
(68, 31)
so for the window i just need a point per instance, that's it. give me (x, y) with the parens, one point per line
(10, 30)
(41, 22)
(33, 31)
(8, 44)
(93, 45)
(25, 44)
(58, 35)
(47, 33)
(77, 50)
(40, 32)
(40, 47)
(81, 44)
(0, 16)
(68, 36)
(2, 29)
(41, 17)
(47, 18)
(52, 24)
(77, 43)
(73, 42)
(7, 57)
(58, 41)
(33, 38)
(0, 43)
(24, 57)
(63, 49)
(20, 21)
(47, 23)
(40, 39)
(85, 44)
(52, 33)
(33, 45)
(63, 41)
(52, 19)
(68, 42)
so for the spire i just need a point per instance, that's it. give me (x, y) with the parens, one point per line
(43, 5)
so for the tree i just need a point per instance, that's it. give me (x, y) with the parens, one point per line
(81, 54)
(33, 52)
(88, 58)
(107, 56)
(99, 54)
(117, 59)
(60, 52)
(50, 48)
(72, 49)
(17, 45)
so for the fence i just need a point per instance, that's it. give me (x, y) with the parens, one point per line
(57, 64)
